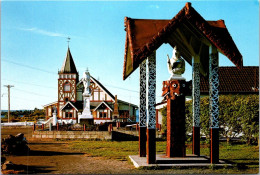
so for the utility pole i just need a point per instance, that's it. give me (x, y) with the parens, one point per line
(8, 86)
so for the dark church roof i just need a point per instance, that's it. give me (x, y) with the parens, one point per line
(68, 64)
(103, 87)
(234, 81)
(103, 105)
(144, 36)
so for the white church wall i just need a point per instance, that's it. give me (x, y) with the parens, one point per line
(102, 96)
(96, 96)
(75, 113)
(109, 98)
(49, 111)
(160, 116)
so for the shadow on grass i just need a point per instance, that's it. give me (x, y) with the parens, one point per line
(241, 166)
(119, 136)
(51, 153)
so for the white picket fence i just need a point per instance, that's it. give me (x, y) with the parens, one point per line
(50, 120)
(18, 124)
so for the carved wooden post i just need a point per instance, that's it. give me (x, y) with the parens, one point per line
(174, 91)
(142, 110)
(42, 126)
(196, 105)
(151, 111)
(213, 104)
(34, 127)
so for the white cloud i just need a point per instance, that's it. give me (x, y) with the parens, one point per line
(43, 32)
(154, 6)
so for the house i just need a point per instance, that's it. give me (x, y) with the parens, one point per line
(105, 107)
(234, 81)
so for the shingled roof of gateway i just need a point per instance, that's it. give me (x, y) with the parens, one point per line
(145, 36)
(234, 81)
(68, 65)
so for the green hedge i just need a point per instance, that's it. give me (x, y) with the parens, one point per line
(237, 114)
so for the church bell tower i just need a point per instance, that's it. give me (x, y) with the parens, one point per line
(67, 81)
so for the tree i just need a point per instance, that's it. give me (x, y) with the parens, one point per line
(164, 119)
(229, 120)
(249, 117)
(238, 114)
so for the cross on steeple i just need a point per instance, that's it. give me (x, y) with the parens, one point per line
(68, 41)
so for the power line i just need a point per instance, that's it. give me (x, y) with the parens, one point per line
(55, 88)
(122, 88)
(24, 99)
(29, 83)
(30, 67)
(32, 93)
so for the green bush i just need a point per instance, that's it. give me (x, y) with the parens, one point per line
(237, 114)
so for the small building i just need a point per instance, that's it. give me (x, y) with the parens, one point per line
(105, 107)
(234, 81)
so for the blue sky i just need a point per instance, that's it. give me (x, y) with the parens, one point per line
(34, 44)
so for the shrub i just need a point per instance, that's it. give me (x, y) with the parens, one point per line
(237, 114)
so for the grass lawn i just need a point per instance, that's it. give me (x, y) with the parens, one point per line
(244, 157)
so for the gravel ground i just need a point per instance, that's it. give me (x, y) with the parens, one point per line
(55, 157)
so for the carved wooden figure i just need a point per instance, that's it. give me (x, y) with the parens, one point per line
(174, 92)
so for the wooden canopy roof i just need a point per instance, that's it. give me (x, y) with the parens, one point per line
(189, 31)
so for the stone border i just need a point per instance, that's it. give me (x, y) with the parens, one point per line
(188, 162)
(100, 135)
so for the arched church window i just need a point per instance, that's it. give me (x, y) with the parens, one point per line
(67, 87)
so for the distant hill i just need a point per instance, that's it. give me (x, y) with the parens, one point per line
(16, 110)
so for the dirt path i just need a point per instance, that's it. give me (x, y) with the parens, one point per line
(56, 158)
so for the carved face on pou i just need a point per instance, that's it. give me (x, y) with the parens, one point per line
(174, 88)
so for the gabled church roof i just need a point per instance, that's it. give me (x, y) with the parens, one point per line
(103, 104)
(68, 64)
(69, 105)
(103, 87)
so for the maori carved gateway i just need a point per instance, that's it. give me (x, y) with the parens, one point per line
(198, 42)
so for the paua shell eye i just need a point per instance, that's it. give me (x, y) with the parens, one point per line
(174, 85)
(183, 85)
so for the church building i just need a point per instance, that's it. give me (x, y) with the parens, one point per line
(105, 107)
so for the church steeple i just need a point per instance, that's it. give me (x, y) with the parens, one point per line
(68, 64)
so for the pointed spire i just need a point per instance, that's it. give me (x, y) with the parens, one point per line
(68, 64)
